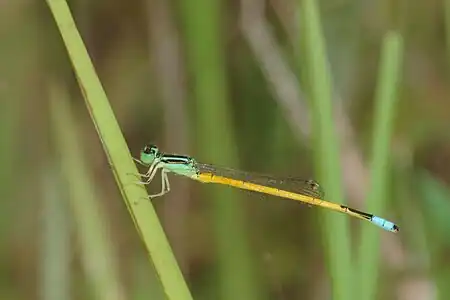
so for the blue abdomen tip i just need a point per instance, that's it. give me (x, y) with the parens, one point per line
(387, 225)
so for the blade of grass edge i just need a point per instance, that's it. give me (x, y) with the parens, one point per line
(385, 100)
(116, 149)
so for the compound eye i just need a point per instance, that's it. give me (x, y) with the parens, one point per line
(148, 149)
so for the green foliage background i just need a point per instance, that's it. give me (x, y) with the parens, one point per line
(350, 93)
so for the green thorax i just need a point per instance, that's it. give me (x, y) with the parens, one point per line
(181, 165)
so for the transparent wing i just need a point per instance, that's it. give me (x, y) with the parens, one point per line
(291, 184)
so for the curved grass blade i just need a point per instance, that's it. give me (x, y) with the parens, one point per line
(142, 212)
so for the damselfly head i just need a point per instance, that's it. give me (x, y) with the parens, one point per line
(149, 153)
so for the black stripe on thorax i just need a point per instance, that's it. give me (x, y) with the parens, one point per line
(175, 159)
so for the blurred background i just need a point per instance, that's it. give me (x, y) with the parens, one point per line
(158, 61)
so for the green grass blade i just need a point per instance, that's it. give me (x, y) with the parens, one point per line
(54, 275)
(115, 147)
(96, 255)
(436, 209)
(206, 59)
(386, 99)
(319, 81)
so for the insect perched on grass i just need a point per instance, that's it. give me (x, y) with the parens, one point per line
(307, 191)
